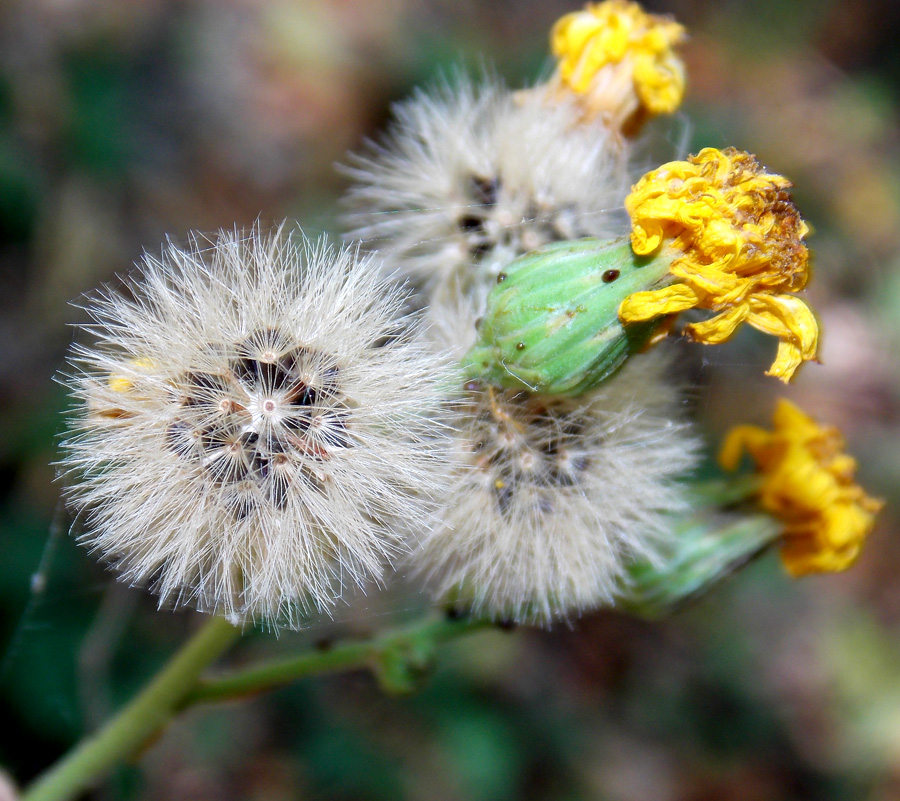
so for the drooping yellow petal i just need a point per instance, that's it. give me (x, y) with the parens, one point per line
(807, 481)
(786, 316)
(788, 359)
(738, 241)
(790, 319)
(642, 306)
(718, 329)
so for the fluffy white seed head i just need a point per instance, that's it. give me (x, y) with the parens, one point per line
(255, 426)
(552, 497)
(468, 178)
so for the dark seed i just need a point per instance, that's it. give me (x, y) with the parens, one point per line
(484, 190)
(334, 431)
(301, 395)
(181, 439)
(478, 250)
(203, 389)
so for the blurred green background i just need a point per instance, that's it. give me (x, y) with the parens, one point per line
(123, 122)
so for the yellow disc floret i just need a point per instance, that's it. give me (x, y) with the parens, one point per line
(737, 242)
(621, 60)
(807, 482)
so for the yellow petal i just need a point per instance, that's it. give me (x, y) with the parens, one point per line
(789, 318)
(722, 287)
(740, 439)
(787, 359)
(786, 316)
(720, 328)
(646, 305)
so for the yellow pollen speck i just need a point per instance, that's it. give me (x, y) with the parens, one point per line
(807, 482)
(620, 61)
(737, 240)
(498, 484)
(119, 382)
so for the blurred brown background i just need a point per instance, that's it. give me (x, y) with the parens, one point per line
(122, 122)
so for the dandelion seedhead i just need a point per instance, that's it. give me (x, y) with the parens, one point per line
(468, 178)
(255, 427)
(552, 496)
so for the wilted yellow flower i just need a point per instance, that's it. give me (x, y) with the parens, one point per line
(807, 482)
(736, 239)
(621, 60)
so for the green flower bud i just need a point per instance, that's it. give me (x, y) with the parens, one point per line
(552, 323)
(707, 546)
(707, 551)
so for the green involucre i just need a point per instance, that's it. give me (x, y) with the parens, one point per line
(552, 323)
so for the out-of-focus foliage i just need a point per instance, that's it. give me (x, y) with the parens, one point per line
(121, 122)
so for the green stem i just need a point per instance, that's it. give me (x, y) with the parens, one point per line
(397, 658)
(728, 490)
(139, 721)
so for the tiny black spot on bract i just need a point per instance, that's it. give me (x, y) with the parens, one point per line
(501, 277)
(610, 275)
(520, 346)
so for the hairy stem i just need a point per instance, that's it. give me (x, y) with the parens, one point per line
(140, 720)
(399, 659)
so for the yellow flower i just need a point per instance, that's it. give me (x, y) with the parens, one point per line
(807, 482)
(736, 240)
(621, 60)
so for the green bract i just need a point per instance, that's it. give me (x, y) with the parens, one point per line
(552, 323)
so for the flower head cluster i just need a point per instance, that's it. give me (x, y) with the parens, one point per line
(736, 240)
(620, 61)
(552, 497)
(255, 429)
(807, 482)
(260, 426)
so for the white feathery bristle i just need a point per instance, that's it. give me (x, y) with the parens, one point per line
(469, 178)
(552, 497)
(255, 428)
